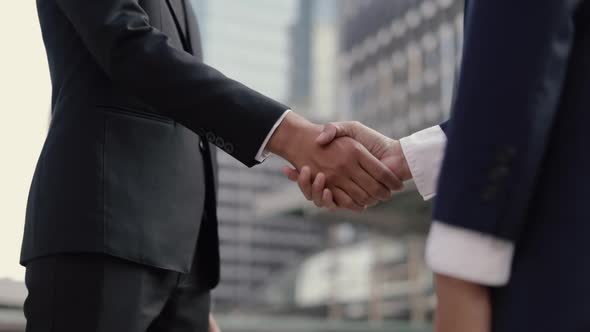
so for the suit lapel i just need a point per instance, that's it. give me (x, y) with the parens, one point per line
(178, 14)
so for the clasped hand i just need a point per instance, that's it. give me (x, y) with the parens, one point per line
(374, 166)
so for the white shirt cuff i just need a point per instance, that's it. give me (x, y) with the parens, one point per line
(262, 152)
(424, 151)
(468, 255)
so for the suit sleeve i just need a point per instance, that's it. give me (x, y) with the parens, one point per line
(445, 126)
(139, 58)
(514, 65)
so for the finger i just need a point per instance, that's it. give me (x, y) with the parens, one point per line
(334, 130)
(304, 182)
(318, 189)
(343, 200)
(328, 134)
(356, 192)
(377, 190)
(328, 200)
(379, 171)
(291, 173)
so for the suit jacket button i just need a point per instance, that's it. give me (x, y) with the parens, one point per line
(211, 137)
(498, 173)
(229, 148)
(506, 154)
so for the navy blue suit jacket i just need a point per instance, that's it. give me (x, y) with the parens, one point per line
(517, 158)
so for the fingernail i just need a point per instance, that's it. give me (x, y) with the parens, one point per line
(322, 137)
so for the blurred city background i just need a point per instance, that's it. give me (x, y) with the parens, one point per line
(286, 266)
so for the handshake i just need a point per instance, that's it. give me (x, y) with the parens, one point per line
(341, 165)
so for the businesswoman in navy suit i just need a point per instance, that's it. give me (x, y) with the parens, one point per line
(511, 223)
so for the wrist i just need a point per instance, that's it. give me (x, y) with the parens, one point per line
(403, 170)
(293, 129)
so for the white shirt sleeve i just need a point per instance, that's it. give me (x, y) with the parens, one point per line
(469, 255)
(424, 151)
(451, 250)
(262, 152)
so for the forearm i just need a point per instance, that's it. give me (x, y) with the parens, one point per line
(462, 306)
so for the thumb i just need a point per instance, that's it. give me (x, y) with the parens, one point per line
(330, 132)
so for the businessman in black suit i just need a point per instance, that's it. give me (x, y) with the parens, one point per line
(510, 235)
(121, 227)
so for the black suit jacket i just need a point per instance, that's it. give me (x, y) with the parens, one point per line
(517, 156)
(126, 169)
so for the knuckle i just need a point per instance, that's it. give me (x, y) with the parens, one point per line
(357, 147)
(363, 198)
(383, 174)
(375, 189)
(347, 201)
(397, 185)
(301, 185)
(331, 178)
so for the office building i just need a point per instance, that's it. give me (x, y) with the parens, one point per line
(397, 64)
(314, 46)
(249, 41)
(398, 61)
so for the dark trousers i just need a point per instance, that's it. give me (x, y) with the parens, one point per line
(99, 293)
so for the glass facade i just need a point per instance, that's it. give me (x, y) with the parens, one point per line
(250, 41)
(398, 61)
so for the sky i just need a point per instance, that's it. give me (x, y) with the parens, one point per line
(25, 93)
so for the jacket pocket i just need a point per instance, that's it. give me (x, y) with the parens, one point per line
(121, 110)
(154, 190)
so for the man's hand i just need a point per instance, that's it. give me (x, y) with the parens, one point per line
(354, 176)
(213, 327)
(385, 149)
(461, 306)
